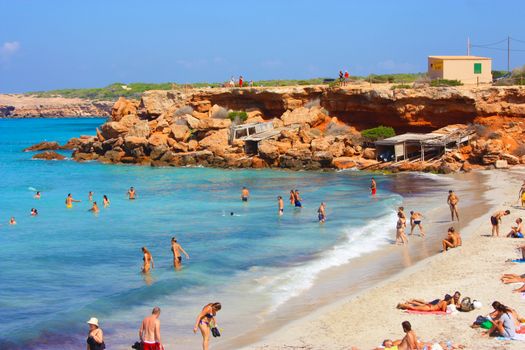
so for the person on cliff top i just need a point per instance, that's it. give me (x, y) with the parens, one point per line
(90, 196)
(12, 221)
(131, 193)
(453, 201)
(495, 220)
(245, 194)
(373, 187)
(280, 204)
(241, 81)
(177, 249)
(415, 220)
(70, 200)
(347, 77)
(37, 195)
(94, 208)
(321, 213)
(297, 199)
(341, 78)
(105, 201)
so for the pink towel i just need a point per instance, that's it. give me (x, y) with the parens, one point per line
(425, 312)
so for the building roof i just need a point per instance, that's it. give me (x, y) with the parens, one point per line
(475, 58)
(404, 138)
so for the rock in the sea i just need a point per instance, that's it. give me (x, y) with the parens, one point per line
(49, 155)
(343, 163)
(43, 146)
(122, 108)
(112, 130)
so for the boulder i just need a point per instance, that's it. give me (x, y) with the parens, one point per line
(157, 152)
(123, 107)
(158, 139)
(114, 156)
(259, 163)
(337, 149)
(129, 120)
(49, 155)
(111, 130)
(100, 137)
(215, 140)
(213, 124)
(140, 129)
(321, 144)
(132, 142)
(179, 132)
(43, 146)
(501, 164)
(289, 162)
(324, 157)
(511, 160)
(155, 102)
(369, 153)
(268, 150)
(302, 115)
(343, 163)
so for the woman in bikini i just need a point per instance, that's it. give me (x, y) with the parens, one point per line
(148, 260)
(206, 321)
(176, 248)
(400, 228)
(106, 201)
(440, 306)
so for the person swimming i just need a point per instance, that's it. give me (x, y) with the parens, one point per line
(131, 193)
(12, 221)
(373, 187)
(90, 196)
(34, 212)
(37, 195)
(70, 201)
(297, 200)
(280, 204)
(94, 208)
(148, 260)
(321, 213)
(105, 201)
(245, 194)
(176, 248)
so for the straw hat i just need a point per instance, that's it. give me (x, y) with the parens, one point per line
(93, 321)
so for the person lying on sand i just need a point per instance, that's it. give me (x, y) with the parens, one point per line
(393, 345)
(440, 306)
(516, 231)
(512, 278)
(503, 322)
(495, 220)
(453, 239)
(456, 299)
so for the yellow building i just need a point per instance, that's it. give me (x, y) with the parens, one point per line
(467, 69)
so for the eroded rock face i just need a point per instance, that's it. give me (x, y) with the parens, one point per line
(43, 146)
(49, 155)
(122, 108)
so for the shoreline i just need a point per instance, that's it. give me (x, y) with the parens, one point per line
(316, 331)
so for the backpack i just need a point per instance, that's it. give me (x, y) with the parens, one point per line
(466, 305)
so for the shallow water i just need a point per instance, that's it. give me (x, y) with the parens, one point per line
(66, 265)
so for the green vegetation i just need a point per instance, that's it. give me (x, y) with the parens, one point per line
(401, 78)
(496, 74)
(517, 77)
(445, 82)
(378, 133)
(401, 86)
(238, 116)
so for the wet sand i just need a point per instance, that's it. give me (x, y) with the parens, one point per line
(362, 316)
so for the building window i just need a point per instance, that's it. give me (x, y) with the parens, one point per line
(477, 68)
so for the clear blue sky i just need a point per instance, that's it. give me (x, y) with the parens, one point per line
(72, 44)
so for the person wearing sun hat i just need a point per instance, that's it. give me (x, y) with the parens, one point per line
(95, 340)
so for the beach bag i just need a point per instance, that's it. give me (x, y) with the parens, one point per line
(215, 332)
(466, 305)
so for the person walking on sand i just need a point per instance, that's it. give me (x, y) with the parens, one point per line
(70, 201)
(400, 228)
(373, 187)
(94, 208)
(280, 204)
(147, 259)
(149, 332)
(206, 323)
(245, 194)
(131, 193)
(453, 201)
(176, 248)
(105, 200)
(321, 213)
(415, 220)
(401, 210)
(90, 196)
(495, 220)
(95, 339)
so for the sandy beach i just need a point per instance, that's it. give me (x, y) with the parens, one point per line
(474, 269)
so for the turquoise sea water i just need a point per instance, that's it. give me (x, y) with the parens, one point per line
(66, 265)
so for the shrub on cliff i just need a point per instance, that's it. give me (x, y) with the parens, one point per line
(220, 113)
(445, 82)
(378, 133)
(183, 110)
(401, 86)
(238, 116)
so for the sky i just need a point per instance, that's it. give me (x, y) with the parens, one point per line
(76, 44)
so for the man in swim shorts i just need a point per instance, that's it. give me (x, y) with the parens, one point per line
(149, 332)
(245, 194)
(415, 220)
(495, 220)
(70, 200)
(176, 248)
(131, 193)
(373, 187)
(281, 205)
(321, 213)
(297, 199)
(453, 201)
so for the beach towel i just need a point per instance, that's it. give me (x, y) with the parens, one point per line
(414, 312)
(519, 337)
(520, 261)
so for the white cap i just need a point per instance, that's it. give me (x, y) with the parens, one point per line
(93, 321)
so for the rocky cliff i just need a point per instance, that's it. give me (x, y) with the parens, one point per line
(318, 127)
(22, 106)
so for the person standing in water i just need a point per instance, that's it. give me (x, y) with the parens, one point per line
(280, 204)
(149, 332)
(105, 200)
(298, 199)
(400, 228)
(401, 210)
(321, 213)
(37, 195)
(90, 196)
(453, 201)
(12, 221)
(373, 187)
(495, 220)
(292, 197)
(131, 193)
(415, 220)
(95, 340)
(245, 194)
(34, 212)
(176, 248)
(70, 200)
(94, 208)
(206, 322)
(148, 260)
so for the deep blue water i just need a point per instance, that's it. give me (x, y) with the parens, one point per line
(66, 265)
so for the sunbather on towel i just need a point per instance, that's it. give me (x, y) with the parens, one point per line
(456, 297)
(440, 306)
(503, 322)
(512, 278)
